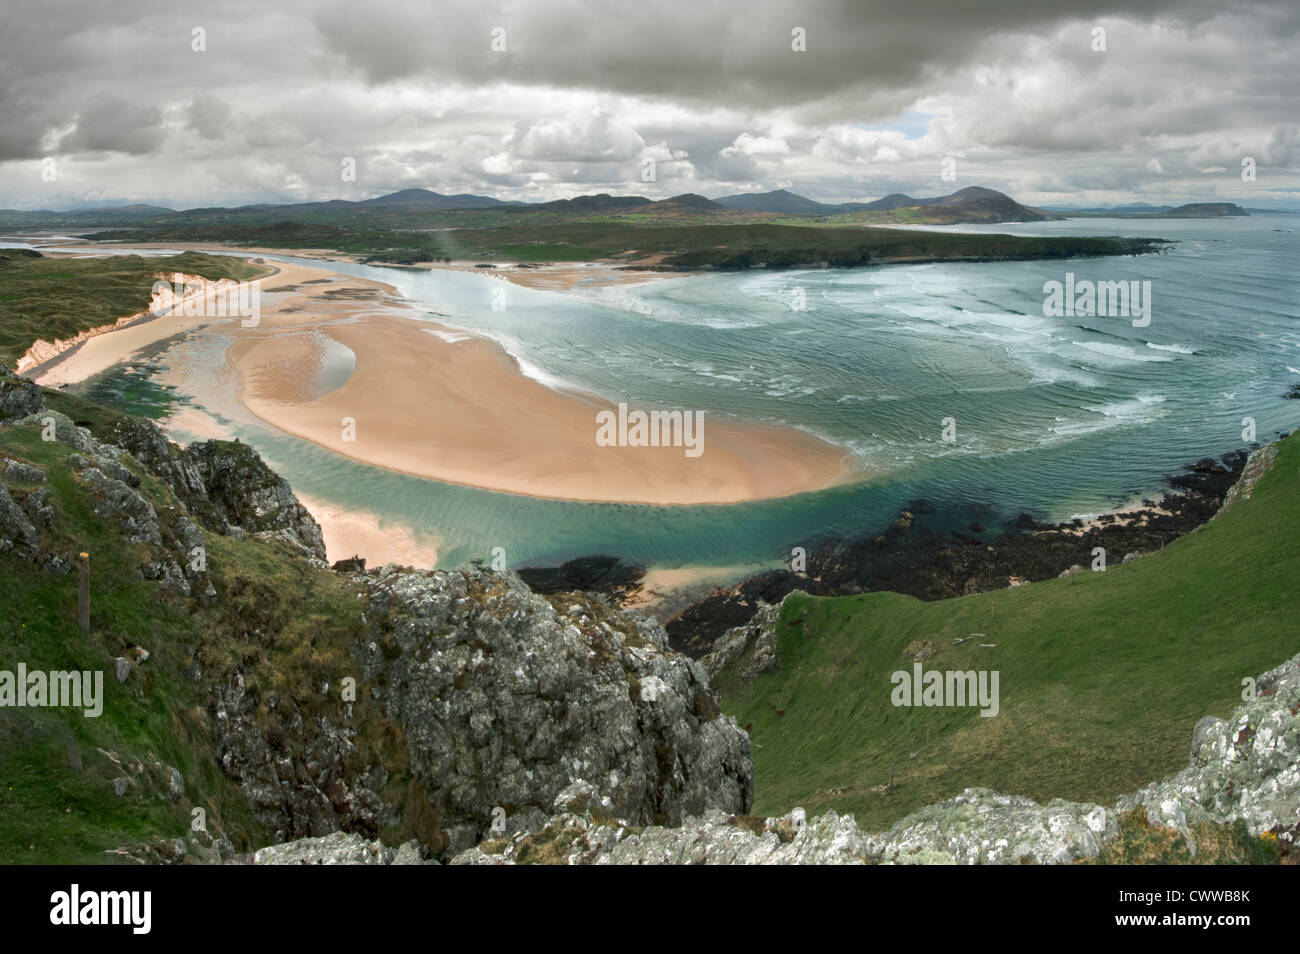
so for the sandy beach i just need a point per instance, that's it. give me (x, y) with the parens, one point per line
(545, 276)
(436, 402)
(433, 401)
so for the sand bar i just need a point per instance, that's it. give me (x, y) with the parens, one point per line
(435, 402)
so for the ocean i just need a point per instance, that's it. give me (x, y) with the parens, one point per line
(946, 381)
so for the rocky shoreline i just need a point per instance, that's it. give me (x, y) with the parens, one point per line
(911, 558)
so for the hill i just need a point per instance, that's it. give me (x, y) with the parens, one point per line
(1100, 673)
(1205, 210)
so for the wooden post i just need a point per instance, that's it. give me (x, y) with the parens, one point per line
(83, 595)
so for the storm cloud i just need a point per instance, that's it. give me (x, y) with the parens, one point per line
(239, 101)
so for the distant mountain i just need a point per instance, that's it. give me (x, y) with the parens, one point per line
(688, 202)
(973, 204)
(1194, 210)
(586, 204)
(781, 200)
(406, 208)
(1133, 208)
(1206, 210)
(433, 201)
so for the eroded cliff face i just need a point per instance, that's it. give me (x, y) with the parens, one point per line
(161, 302)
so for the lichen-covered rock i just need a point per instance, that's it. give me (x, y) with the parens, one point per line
(755, 642)
(714, 838)
(225, 485)
(242, 491)
(504, 700)
(303, 784)
(980, 826)
(1246, 767)
(19, 396)
(16, 528)
(1258, 464)
(23, 472)
(113, 500)
(339, 848)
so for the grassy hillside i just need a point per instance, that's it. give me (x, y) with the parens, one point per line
(276, 618)
(91, 291)
(1102, 677)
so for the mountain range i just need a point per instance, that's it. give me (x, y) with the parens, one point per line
(404, 209)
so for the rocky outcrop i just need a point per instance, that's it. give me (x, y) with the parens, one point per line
(1257, 465)
(754, 642)
(339, 848)
(295, 769)
(504, 699)
(1245, 767)
(976, 827)
(225, 485)
(19, 397)
(980, 826)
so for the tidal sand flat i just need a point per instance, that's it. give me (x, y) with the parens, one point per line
(433, 401)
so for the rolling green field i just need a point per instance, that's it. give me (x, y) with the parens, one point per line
(1101, 678)
(90, 291)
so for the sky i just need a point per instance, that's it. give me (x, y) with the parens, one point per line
(1085, 102)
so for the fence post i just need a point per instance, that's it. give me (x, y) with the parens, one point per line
(83, 595)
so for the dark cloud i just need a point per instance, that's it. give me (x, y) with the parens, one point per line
(584, 91)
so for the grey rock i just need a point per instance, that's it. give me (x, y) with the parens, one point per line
(23, 472)
(112, 499)
(303, 784)
(121, 669)
(19, 397)
(338, 848)
(503, 701)
(175, 783)
(1246, 767)
(980, 826)
(754, 641)
(16, 529)
(120, 786)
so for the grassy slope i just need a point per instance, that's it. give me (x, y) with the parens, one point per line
(1102, 678)
(310, 617)
(91, 292)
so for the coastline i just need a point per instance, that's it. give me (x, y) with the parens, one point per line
(494, 428)
(910, 558)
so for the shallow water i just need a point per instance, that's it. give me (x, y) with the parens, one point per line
(1057, 416)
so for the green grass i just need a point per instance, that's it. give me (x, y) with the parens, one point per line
(1102, 678)
(284, 624)
(88, 292)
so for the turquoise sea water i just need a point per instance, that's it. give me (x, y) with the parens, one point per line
(1057, 416)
